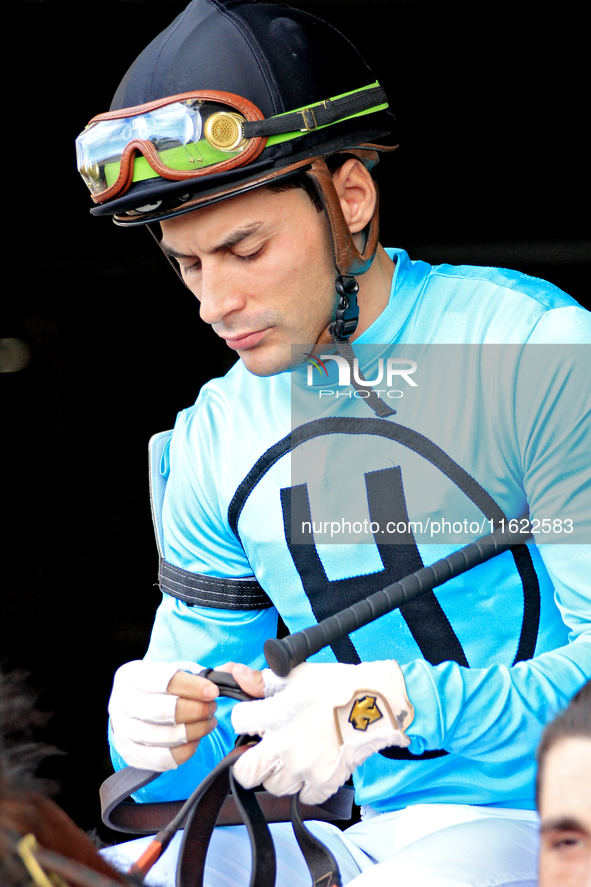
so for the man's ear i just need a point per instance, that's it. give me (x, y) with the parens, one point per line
(357, 193)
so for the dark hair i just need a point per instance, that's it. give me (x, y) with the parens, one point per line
(575, 721)
(301, 180)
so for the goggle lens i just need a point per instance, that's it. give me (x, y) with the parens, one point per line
(175, 130)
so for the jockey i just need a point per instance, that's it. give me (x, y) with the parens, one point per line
(243, 137)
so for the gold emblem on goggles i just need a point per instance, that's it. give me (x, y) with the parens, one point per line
(223, 130)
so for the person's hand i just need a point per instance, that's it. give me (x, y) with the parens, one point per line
(251, 681)
(319, 725)
(159, 712)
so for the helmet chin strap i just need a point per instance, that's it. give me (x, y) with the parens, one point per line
(347, 315)
(349, 262)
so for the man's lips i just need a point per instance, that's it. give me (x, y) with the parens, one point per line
(248, 340)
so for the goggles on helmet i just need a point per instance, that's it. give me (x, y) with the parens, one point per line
(196, 133)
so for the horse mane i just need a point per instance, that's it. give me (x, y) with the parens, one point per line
(25, 808)
(21, 752)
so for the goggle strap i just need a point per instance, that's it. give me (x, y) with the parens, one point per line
(323, 114)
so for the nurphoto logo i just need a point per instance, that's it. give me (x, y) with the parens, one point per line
(388, 370)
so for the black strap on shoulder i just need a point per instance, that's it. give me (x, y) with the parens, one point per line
(199, 590)
(369, 395)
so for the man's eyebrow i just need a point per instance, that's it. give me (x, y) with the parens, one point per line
(169, 251)
(563, 824)
(237, 236)
(227, 243)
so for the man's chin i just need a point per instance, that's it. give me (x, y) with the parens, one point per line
(270, 361)
(260, 365)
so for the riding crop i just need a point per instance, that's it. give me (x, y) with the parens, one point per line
(284, 654)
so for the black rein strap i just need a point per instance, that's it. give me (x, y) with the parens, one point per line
(220, 800)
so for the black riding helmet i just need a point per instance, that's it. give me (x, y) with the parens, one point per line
(272, 92)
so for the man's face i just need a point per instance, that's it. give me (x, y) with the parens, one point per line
(565, 811)
(261, 267)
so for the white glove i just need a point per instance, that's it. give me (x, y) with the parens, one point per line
(142, 713)
(321, 723)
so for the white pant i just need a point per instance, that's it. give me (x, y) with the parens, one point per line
(429, 845)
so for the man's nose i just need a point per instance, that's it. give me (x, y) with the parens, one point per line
(219, 295)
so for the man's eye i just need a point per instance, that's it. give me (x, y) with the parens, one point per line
(190, 269)
(251, 256)
(567, 842)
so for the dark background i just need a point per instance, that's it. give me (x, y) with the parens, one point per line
(492, 103)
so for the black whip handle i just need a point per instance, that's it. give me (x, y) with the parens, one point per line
(284, 654)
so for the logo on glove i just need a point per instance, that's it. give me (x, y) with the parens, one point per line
(364, 712)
